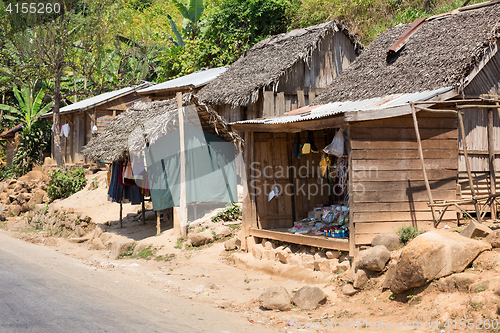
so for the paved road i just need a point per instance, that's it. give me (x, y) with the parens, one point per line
(44, 291)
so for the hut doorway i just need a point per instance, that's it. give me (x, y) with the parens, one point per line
(300, 192)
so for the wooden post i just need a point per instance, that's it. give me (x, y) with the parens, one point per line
(182, 201)
(352, 228)
(253, 189)
(143, 217)
(280, 103)
(421, 155)
(268, 104)
(491, 153)
(301, 98)
(158, 222)
(312, 96)
(467, 164)
(121, 214)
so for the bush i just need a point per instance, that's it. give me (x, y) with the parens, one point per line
(230, 213)
(62, 183)
(407, 232)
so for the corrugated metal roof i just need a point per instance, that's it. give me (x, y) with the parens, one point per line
(193, 80)
(100, 99)
(12, 131)
(331, 109)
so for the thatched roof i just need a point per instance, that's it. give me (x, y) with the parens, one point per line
(440, 54)
(148, 121)
(266, 62)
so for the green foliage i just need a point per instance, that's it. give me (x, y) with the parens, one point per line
(63, 184)
(146, 253)
(127, 253)
(33, 143)
(230, 213)
(407, 232)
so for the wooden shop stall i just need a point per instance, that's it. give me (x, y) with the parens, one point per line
(419, 109)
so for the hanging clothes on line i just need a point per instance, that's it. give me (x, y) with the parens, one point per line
(123, 189)
(65, 130)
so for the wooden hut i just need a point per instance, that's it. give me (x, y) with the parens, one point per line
(282, 72)
(11, 138)
(407, 112)
(144, 125)
(96, 111)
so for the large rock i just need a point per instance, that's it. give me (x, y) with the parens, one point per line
(360, 278)
(390, 241)
(494, 238)
(433, 255)
(201, 238)
(475, 229)
(36, 198)
(230, 244)
(460, 281)
(309, 297)
(374, 258)
(391, 272)
(257, 250)
(15, 210)
(120, 246)
(276, 298)
(222, 231)
(349, 290)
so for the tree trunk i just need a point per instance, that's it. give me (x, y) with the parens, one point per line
(57, 117)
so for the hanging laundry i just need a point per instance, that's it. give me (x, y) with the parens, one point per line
(65, 130)
(94, 129)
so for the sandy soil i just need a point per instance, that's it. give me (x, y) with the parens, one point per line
(211, 276)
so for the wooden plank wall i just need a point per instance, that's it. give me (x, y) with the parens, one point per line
(487, 81)
(387, 179)
(272, 154)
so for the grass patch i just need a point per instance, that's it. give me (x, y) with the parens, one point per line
(146, 253)
(127, 253)
(165, 257)
(407, 232)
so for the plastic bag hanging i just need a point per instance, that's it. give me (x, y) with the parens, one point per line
(274, 192)
(296, 147)
(337, 146)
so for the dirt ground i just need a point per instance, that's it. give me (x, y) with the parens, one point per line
(233, 280)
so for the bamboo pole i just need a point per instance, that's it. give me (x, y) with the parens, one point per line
(467, 164)
(143, 207)
(421, 155)
(491, 156)
(435, 110)
(158, 222)
(182, 201)
(121, 214)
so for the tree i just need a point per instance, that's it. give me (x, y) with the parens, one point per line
(52, 44)
(30, 106)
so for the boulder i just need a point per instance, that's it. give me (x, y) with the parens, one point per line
(309, 297)
(140, 246)
(119, 246)
(25, 207)
(79, 232)
(374, 258)
(349, 290)
(4, 198)
(222, 231)
(36, 198)
(150, 215)
(15, 210)
(257, 250)
(475, 229)
(269, 255)
(484, 285)
(360, 278)
(391, 271)
(201, 238)
(230, 244)
(275, 298)
(97, 244)
(390, 241)
(460, 281)
(343, 266)
(433, 255)
(283, 255)
(493, 238)
(332, 254)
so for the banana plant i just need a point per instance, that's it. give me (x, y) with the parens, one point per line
(30, 106)
(192, 12)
